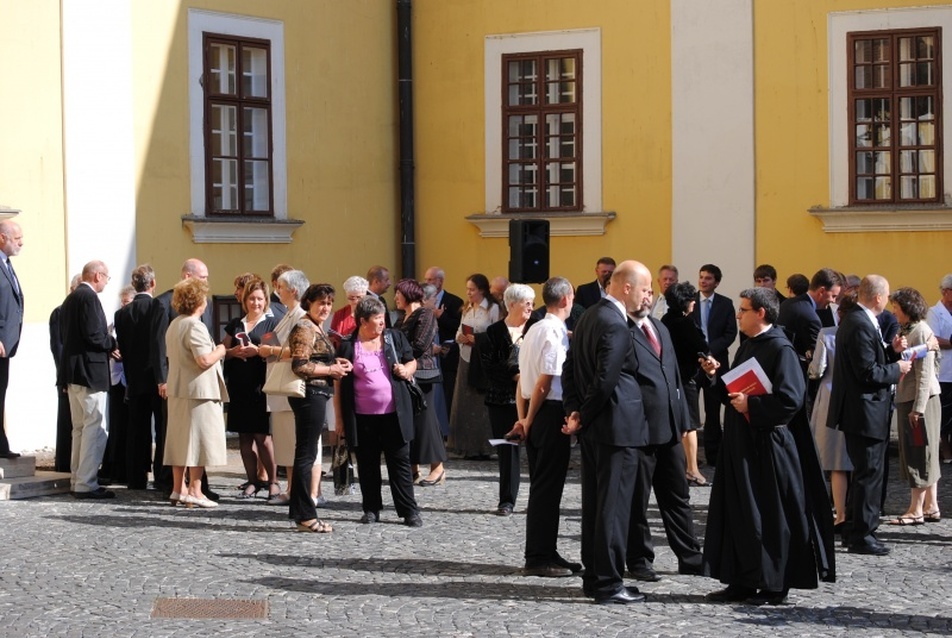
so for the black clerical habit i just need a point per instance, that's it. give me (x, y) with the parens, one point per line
(769, 525)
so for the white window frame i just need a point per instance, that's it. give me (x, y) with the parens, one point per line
(279, 229)
(840, 216)
(591, 220)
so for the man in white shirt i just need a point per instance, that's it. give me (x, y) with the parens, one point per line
(940, 320)
(667, 277)
(541, 415)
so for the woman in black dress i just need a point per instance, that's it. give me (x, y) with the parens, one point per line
(689, 344)
(244, 377)
(420, 327)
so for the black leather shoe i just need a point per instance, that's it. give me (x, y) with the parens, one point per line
(624, 596)
(575, 568)
(547, 571)
(689, 569)
(874, 548)
(413, 520)
(504, 510)
(765, 597)
(9, 455)
(731, 594)
(369, 517)
(210, 495)
(644, 573)
(97, 494)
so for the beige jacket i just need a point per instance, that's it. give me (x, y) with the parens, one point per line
(187, 338)
(921, 382)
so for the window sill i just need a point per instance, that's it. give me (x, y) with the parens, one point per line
(884, 219)
(240, 230)
(560, 224)
(8, 213)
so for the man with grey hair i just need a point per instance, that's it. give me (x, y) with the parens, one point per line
(379, 282)
(11, 318)
(539, 406)
(940, 320)
(667, 277)
(87, 346)
(134, 334)
(448, 310)
(864, 370)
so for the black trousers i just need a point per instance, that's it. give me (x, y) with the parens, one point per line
(114, 463)
(501, 420)
(664, 468)
(308, 423)
(608, 481)
(376, 434)
(548, 451)
(142, 410)
(866, 487)
(4, 382)
(64, 432)
(161, 474)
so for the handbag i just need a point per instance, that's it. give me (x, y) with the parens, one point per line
(417, 398)
(282, 381)
(342, 467)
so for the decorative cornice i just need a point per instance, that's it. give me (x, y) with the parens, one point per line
(560, 224)
(8, 213)
(240, 230)
(880, 219)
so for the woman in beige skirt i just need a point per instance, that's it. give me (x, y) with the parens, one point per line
(195, 437)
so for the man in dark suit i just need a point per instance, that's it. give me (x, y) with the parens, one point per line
(64, 423)
(714, 315)
(601, 395)
(162, 314)
(864, 369)
(11, 318)
(799, 318)
(662, 463)
(765, 276)
(448, 311)
(591, 293)
(87, 346)
(379, 282)
(134, 334)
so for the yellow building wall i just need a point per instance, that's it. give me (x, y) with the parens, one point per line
(792, 150)
(342, 161)
(448, 70)
(31, 148)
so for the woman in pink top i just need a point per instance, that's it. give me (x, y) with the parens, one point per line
(375, 413)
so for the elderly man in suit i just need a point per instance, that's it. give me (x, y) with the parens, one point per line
(11, 317)
(134, 334)
(714, 315)
(587, 295)
(162, 315)
(448, 310)
(87, 346)
(601, 395)
(863, 371)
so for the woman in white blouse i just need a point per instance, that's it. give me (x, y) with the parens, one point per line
(469, 429)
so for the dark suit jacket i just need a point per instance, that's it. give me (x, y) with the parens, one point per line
(11, 313)
(162, 315)
(598, 379)
(662, 396)
(86, 340)
(452, 315)
(801, 323)
(721, 325)
(688, 342)
(862, 373)
(587, 295)
(134, 334)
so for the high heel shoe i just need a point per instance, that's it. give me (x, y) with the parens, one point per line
(248, 489)
(204, 503)
(439, 480)
(175, 498)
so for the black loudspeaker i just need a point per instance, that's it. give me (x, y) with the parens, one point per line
(528, 251)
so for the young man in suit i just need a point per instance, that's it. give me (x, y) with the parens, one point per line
(799, 318)
(591, 293)
(765, 276)
(601, 396)
(87, 346)
(864, 369)
(449, 312)
(134, 334)
(714, 315)
(11, 318)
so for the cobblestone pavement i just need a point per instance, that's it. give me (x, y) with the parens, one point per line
(83, 568)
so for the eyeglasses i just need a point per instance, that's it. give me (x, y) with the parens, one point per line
(742, 310)
(106, 275)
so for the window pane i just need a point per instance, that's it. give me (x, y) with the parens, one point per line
(864, 163)
(254, 72)
(927, 161)
(907, 162)
(225, 184)
(905, 50)
(907, 188)
(864, 77)
(522, 94)
(883, 188)
(224, 133)
(559, 69)
(864, 135)
(256, 133)
(925, 47)
(863, 50)
(222, 69)
(881, 50)
(881, 109)
(927, 187)
(907, 134)
(864, 110)
(882, 77)
(925, 108)
(906, 108)
(925, 74)
(882, 136)
(882, 163)
(523, 197)
(522, 71)
(926, 134)
(522, 173)
(256, 186)
(907, 74)
(864, 188)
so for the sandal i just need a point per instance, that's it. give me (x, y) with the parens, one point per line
(907, 519)
(697, 481)
(317, 526)
(932, 517)
(248, 489)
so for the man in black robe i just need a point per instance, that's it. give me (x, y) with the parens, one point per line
(769, 528)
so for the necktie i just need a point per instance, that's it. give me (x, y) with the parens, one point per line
(652, 339)
(13, 277)
(705, 313)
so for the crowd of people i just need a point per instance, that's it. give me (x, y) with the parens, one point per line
(795, 427)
